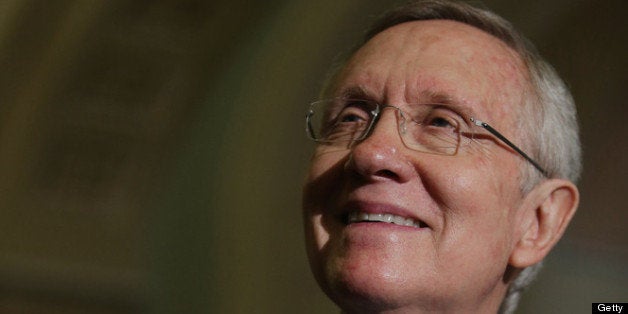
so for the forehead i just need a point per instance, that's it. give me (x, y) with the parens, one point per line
(431, 61)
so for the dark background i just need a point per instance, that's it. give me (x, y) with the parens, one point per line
(151, 152)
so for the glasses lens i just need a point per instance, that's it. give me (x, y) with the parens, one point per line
(340, 121)
(429, 128)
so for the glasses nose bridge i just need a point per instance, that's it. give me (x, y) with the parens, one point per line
(398, 120)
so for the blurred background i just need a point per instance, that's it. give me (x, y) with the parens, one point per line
(151, 152)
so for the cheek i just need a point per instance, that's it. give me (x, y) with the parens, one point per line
(477, 226)
(323, 178)
(325, 160)
(456, 186)
(476, 205)
(320, 190)
(322, 184)
(487, 177)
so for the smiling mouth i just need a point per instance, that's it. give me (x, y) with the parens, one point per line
(359, 216)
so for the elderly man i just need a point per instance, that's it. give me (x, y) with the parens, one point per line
(444, 167)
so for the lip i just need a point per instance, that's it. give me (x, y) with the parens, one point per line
(378, 208)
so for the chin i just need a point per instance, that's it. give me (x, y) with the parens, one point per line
(357, 286)
(368, 285)
(371, 298)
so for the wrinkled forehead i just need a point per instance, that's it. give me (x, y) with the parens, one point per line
(422, 60)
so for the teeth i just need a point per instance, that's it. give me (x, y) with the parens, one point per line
(398, 220)
(409, 222)
(363, 216)
(389, 218)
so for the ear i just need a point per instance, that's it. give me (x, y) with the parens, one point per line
(548, 209)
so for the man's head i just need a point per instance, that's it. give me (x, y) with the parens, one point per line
(478, 217)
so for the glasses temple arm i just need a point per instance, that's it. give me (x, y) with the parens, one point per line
(510, 144)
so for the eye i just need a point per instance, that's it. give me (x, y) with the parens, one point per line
(354, 112)
(441, 122)
(442, 119)
(351, 117)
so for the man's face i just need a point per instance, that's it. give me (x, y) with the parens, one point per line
(467, 204)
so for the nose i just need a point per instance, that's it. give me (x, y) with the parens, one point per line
(382, 155)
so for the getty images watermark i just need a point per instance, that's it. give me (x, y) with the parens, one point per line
(609, 308)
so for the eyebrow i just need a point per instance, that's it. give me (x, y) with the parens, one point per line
(453, 102)
(427, 97)
(355, 92)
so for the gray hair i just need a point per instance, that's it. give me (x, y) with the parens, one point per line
(550, 136)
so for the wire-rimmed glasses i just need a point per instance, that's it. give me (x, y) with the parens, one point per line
(428, 128)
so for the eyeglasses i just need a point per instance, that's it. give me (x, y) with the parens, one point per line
(427, 128)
